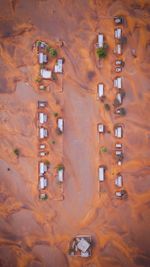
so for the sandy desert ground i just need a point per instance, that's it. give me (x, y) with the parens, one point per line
(35, 233)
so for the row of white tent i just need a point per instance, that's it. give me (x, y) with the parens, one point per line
(43, 181)
(117, 85)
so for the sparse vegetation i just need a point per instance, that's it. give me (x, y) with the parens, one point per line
(47, 162)
(55, 114)
(58, 131)
(60, 167)
(53, 142)
(54, 77)
(101, 52)
(107, 106)
(17, 152)
(38, 80)
(103, 149)
(52, 52)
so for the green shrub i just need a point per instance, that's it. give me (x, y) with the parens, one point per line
(47, 162)
(101, 52)
(103, 149)
(55, 114)
(60, 167)
(52, 52)
(107, 107)
(17, 152)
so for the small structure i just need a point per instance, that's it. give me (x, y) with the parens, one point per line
(118, 49)
(42, 182)
(58, 66)
(41, 44)
(43, 196)
(100, 43)
(42, 104)
(118, 146)
(118, 82)
(119, 98)
(119, 157)
(119, 63)
(42, 168)
(118, 20)
(118, 33)
(42, 87)
(60, 175)
(42, 117)
(118, 131)
(80, 246)
(43, 133)
(42, 58)
(100, 90)
(101, 173)
(43, 153)
(60, 124)
(46, 74)
(120, 111)
(42, 146)
(121, 194)
(119, 180)
(101, 128)
(118, 69)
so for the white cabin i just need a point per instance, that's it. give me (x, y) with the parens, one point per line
(100, 40)
(100, 90)
(101, 128)
(42, 58)
(118, 194)
(118, 145)
(118, 49)
(118, 82)
(60, 124)
(60, 175)
(42, 104)
(46, 74)
(119, 181)
(42, 117)
(101, 173)
(59, 66)
(42, 146)
(42, 168)
(118, 132)
(43, 153)
(42, 182)
(118, 33)
(43, 133)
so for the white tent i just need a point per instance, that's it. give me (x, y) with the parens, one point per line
(46, 74)
(101, 173)
(100, 89)
(100, 40)
(60, 124)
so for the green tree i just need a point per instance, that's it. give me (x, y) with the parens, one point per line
(52, 52)
(101, 52)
